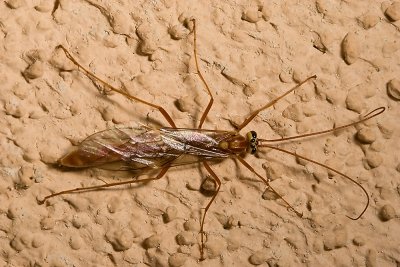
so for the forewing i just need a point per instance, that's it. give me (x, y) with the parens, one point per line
(114, 142)
(146, 148)
(128, 149)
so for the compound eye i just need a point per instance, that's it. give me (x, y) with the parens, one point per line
(253, 134)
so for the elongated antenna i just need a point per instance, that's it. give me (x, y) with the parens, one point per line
(370, 115)
(329, 168)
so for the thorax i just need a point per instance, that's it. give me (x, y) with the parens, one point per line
(213, 141)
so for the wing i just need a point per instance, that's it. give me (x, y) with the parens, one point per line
(146, 148)
(122, 149)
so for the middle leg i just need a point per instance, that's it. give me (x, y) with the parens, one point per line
(218, 181)
(210, 103)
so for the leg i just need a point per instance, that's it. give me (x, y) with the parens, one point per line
(331, 169)
(218, 181)
(208, 190)
(255, 113)
(105, 84)
(247, 165)
(210, 103)
(90, 188)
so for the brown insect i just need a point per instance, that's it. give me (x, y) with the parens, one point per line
(144, 148)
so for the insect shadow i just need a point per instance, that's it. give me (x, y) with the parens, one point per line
(140, 149)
